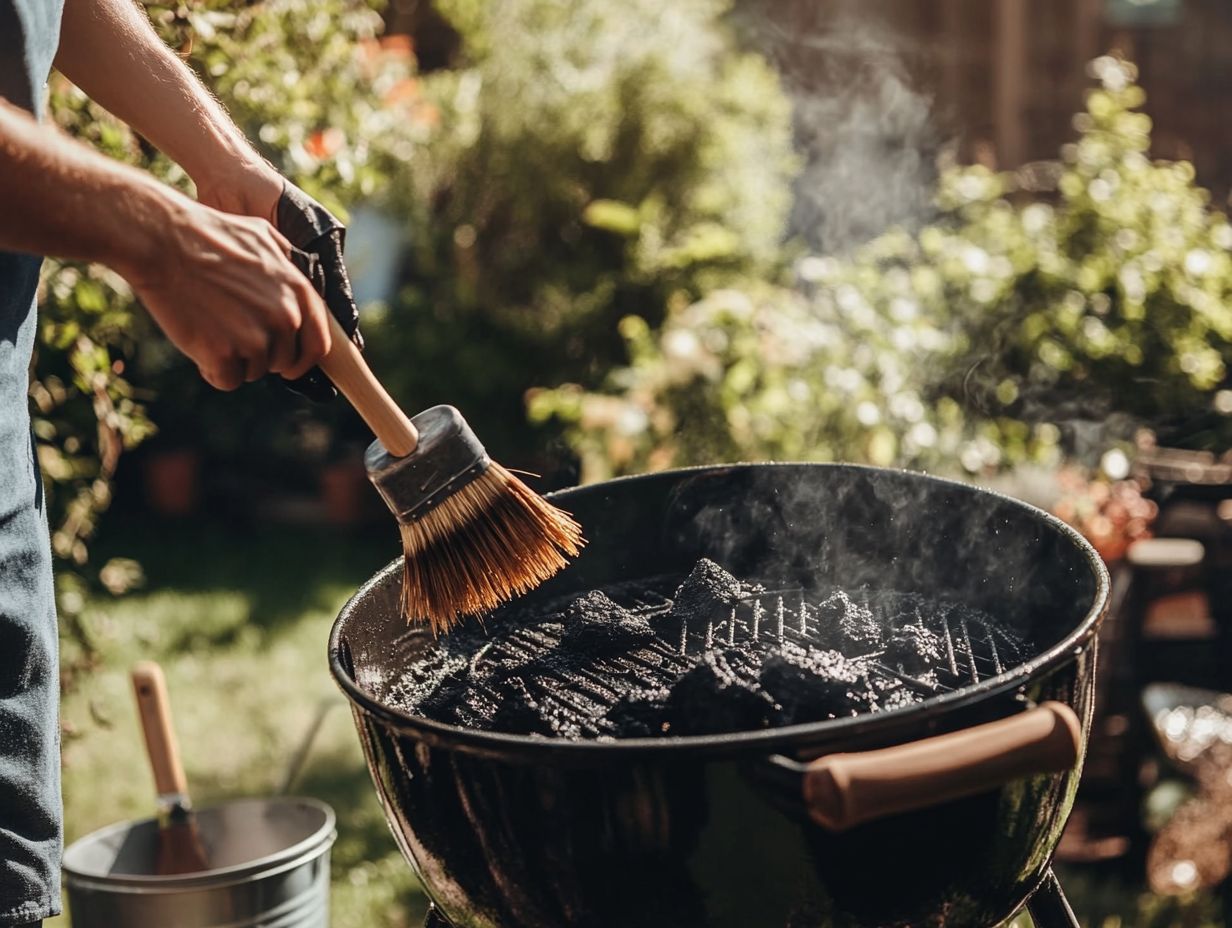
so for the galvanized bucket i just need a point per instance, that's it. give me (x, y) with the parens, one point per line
(270, 869)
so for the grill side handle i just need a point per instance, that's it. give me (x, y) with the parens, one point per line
(845, 790)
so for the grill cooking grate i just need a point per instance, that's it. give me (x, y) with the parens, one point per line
(761, 623)
(777, 617)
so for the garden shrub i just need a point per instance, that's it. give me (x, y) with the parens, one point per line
(593, 160)
(1011, 328)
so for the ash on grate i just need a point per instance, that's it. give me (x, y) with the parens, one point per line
(812, 686)
(594, 624)
(914, 649)
(640, 714)
(847, 625)
(705, 654)
(720, 694)
(708, 591)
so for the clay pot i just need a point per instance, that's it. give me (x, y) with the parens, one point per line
(173, 481)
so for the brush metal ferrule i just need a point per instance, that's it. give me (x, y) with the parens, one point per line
(174, 809)
(447, 458)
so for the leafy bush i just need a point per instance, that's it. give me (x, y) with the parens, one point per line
(337, 109)
(1003, 331)
(593, 159)
(1120, 300)
(86, 412)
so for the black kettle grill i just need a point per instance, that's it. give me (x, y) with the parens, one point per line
(908, 817)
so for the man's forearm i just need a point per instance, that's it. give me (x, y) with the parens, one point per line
(110, 50)
(58, 197)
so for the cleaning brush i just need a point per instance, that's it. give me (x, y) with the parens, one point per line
(473, 535)
(180, 849)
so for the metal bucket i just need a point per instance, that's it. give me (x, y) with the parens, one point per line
(271, 870)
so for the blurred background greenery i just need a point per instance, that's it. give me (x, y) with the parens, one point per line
(581, 223)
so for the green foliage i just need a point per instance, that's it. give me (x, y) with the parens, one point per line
(1003, 331)
(335, 109)
(86, 412)
(594, 159)
(1121, 296)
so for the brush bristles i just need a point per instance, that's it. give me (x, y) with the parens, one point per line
(491, 541)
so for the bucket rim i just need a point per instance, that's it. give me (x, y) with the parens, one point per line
(322, 839)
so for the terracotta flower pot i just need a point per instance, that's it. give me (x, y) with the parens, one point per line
(173, 481)
(344, 492)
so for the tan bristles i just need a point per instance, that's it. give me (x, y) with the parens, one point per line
(493, 540)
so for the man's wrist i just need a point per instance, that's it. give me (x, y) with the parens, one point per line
(146, 217)
(245, 185)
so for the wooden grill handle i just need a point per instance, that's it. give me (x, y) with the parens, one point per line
(154, 711)
(844, 790)
(348, 370)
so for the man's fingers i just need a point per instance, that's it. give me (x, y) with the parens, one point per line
(225, 375)
(258, 357)
(284, 339)
(284, 352)
(255, 369)
(262, 314)
(314, 338)
(283, 243)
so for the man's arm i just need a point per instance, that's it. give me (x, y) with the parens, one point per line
(222, 287)
(61, 198)
(109, 49)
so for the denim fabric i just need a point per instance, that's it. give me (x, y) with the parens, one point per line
(30, 812)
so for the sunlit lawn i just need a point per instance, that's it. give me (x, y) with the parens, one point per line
(240, 627)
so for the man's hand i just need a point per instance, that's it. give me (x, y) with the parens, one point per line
(109, 48)
(256, 189)
(226, 294)
(222, 287)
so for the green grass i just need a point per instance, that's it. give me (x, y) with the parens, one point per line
(240, 626)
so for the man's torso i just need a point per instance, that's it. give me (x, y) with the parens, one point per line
(30, 831)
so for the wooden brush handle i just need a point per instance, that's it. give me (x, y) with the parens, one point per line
(154, 710)
(346, 367)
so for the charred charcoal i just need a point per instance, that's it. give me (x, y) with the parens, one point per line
(811, 686)
(520, 712)
(847, 626)
(914, 649)
(594, 625)
(594, 665)
(439, 694)
(713, 698)
(642, 714)
(706, 595)
(896, 699)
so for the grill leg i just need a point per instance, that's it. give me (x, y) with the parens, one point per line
(1049, 907)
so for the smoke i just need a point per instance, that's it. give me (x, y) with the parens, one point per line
(864, 129)
(822, 527)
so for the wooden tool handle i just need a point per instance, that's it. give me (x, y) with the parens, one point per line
(346, 367)
(154, 710)
(843, 790)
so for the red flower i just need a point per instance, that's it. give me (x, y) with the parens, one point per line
(325, 143)
(403, 91)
